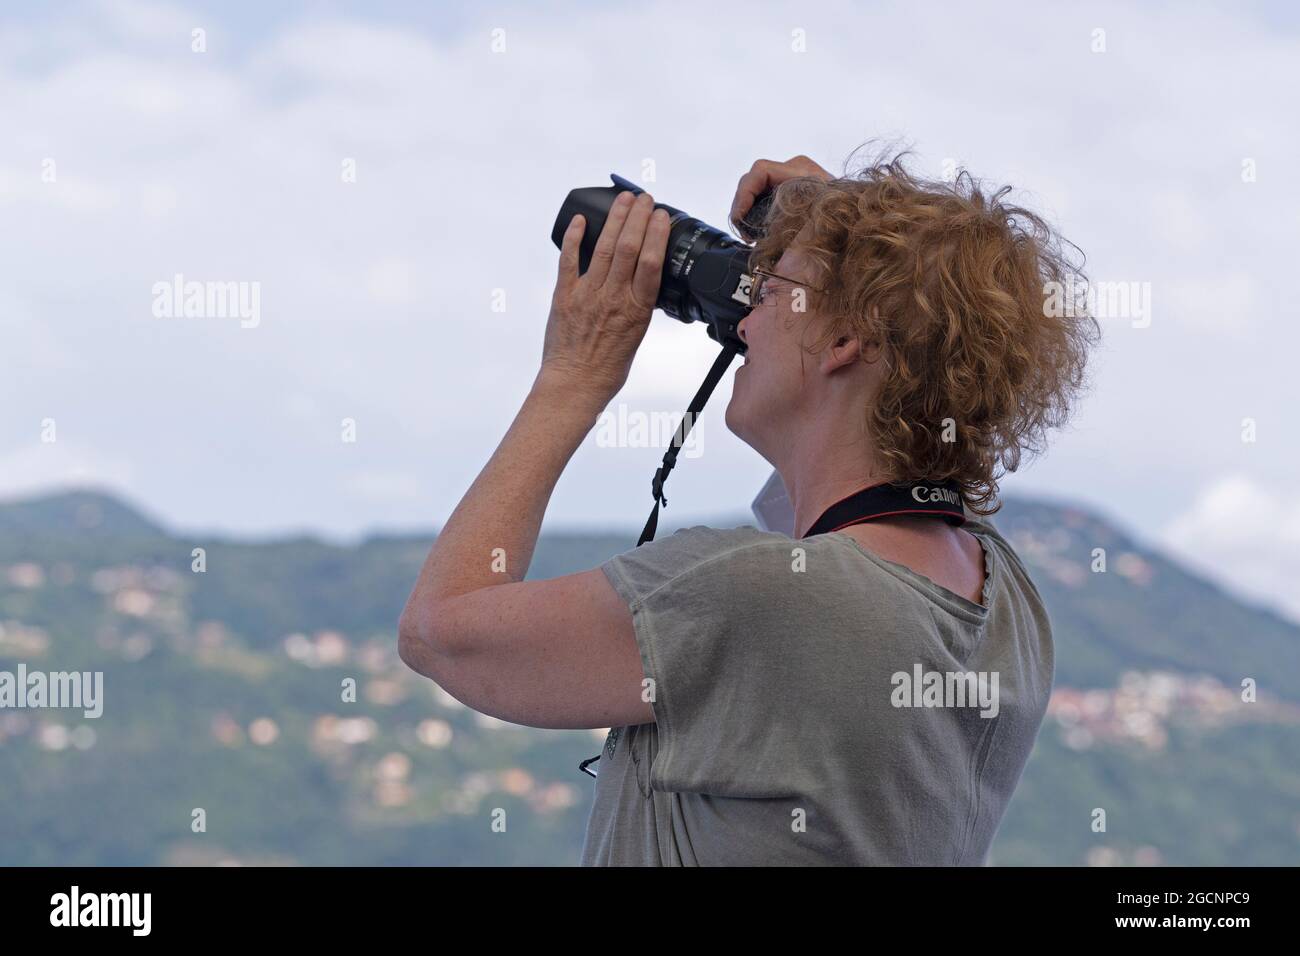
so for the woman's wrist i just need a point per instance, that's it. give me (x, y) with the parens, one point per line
(562, 389)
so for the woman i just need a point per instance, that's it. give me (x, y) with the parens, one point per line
(867, 693)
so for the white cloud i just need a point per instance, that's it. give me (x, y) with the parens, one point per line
(391, 282)
(147, 20)
(1218, 301)
(1242, 532)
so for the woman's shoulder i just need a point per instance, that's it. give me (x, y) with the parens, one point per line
(1014, 565)
(697, 553)
(705, 543)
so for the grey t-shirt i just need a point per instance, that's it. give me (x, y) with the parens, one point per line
(818, 704)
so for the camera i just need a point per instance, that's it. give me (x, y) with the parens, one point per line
(706, 271)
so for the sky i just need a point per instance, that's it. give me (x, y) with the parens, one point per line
(386, 177)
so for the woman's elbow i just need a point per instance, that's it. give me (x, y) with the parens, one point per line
(416, 645)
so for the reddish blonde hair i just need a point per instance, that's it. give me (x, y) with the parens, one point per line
(952, 281)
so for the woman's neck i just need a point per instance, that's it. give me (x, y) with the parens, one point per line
(818, 473)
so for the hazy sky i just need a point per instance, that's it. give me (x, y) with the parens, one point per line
(128, 158)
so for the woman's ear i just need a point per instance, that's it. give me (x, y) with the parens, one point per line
(845, 350)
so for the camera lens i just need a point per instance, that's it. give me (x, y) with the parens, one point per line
(706, 271)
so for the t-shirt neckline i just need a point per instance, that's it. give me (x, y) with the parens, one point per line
(955, 603)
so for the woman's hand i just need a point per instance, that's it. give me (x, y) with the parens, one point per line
(599, 318)
(766, 174)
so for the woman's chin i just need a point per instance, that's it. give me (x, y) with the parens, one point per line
(738, 422)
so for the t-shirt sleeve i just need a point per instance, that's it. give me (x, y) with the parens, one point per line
(722, 681)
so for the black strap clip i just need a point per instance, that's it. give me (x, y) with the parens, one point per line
(683, 430)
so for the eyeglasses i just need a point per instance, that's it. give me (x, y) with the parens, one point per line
(760, 281)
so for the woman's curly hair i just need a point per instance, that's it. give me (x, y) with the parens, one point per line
(953, 281)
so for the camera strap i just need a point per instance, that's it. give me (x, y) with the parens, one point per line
(683, 430)
(940, 499)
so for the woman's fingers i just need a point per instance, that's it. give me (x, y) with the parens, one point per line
(628, 247)
(750, 187)
(650, 264)
(569, 252)
(766, 173)
(603, 255)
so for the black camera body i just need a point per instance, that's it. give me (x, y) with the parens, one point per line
(706, 271)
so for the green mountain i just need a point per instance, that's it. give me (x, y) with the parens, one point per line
(76, 514)
(224, 693)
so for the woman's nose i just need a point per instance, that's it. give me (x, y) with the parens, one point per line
(740, 329)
